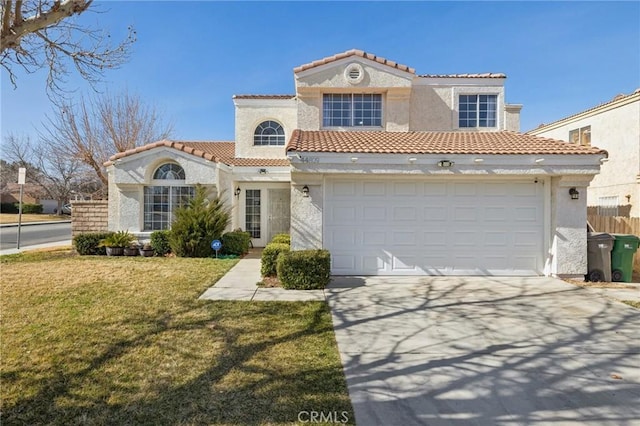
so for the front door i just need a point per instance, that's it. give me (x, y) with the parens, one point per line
(267, 211)
(279, 211)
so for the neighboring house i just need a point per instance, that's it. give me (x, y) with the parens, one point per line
(615, 127)
(393, 172)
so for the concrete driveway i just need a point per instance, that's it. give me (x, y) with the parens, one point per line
(471, 350)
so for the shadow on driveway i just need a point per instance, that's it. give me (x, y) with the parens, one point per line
(472, 350)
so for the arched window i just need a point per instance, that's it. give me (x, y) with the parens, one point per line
(160, 201)
(169, 171)
(269, 133)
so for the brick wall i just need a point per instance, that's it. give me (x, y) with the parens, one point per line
(89, 216)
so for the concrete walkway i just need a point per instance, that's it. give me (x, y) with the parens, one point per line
(240, 283)
(67, 243)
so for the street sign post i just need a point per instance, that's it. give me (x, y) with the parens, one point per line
(22, 179)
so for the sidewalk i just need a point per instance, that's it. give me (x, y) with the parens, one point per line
(240, 284)
(49, 222)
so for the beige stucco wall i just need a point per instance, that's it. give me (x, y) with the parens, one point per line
(617, 130)
(567, 256)
(249, 113)
(128, 177)
(393, 84)
(306, 212)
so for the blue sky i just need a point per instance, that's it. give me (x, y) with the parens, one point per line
(192, 57)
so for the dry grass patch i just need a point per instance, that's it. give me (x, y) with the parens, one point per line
(103, 340)
(13, 218)
(634, 303)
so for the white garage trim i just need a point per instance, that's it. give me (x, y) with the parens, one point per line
(397, 225)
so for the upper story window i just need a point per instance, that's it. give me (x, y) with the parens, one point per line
(169, 171)
(352, 110)
(581, 136)
(269, 133)
(478, 110)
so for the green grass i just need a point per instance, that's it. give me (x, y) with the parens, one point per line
(633, 303)
(117, 340)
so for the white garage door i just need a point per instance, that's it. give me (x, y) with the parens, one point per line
(426, 227)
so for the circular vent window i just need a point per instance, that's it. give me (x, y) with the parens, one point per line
(354, 73)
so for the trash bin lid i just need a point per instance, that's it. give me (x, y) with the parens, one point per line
(627, 238)
(600, 236)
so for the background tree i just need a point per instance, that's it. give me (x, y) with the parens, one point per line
(96, 128)
(58, 175)
(40, 34)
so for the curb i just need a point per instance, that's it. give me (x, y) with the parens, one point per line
(52, 222)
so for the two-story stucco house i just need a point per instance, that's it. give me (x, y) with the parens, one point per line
(615, 127)
(395, 173)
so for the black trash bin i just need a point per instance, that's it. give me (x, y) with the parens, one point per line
(599, 246)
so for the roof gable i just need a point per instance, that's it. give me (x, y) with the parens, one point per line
(354, 53)
(218, 152)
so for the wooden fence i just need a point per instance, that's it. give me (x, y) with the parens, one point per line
(617, 225)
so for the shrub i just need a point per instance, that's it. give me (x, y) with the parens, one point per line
(89, 243)
(8, 208)
(160, 242)
(270, 257)
(236, 242)
(304, 269)
(281, 238)
(118, 239)
(32, 208)
(26, 208)
(197, 224)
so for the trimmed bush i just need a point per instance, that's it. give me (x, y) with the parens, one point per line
(89, 243)
(31, 208)
(304, 269)
(8, 208)
(270, 257)
(160, 242)
(197, 224)
(281, 238)
(236, 242)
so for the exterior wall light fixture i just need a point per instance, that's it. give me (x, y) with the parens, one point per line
(262, 171)
(445, 163)
(237, 192)
(539, 160)
(575, 195)
(354, 159)
(412, 160)
(478, 160)
(305, 191)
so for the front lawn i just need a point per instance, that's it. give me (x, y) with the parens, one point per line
(29, 217)
(101, 340)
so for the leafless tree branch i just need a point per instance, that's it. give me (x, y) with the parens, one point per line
(40, 34)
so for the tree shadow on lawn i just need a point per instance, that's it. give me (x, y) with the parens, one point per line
(240, 381)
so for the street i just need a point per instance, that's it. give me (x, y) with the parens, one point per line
(34, 234)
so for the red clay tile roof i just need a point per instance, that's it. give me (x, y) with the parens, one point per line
(483, 75)
(219, 152)
(488, 143)
(354, 52)
(617, 98)
(264, 96)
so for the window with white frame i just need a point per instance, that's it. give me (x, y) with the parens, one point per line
(352, 110)
(581, 136)
(160, 201)
(608, 206)
(477, 111)
(269, 133)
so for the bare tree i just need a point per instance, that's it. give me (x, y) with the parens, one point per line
(40, 34)
(58, 175)
(96, 128)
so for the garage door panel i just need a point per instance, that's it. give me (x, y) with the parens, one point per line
(399, 227)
